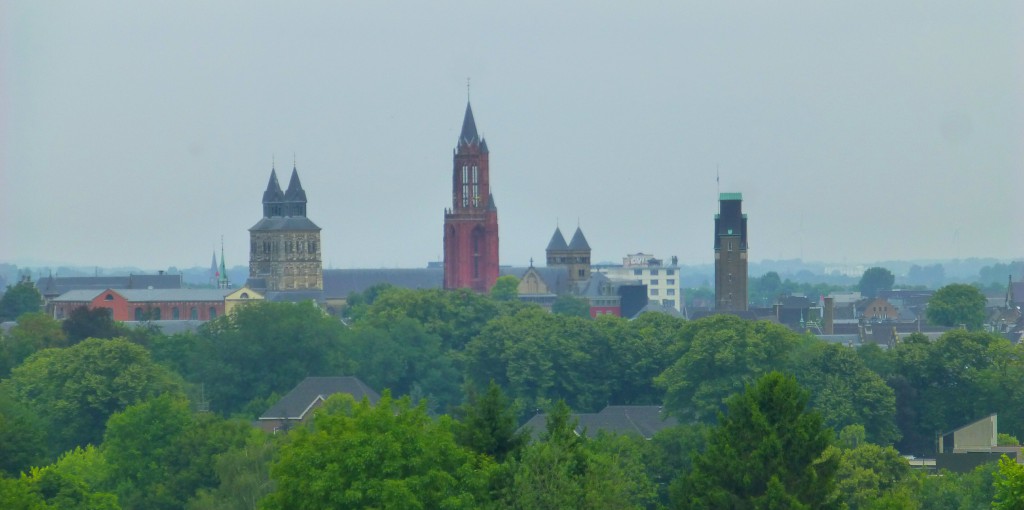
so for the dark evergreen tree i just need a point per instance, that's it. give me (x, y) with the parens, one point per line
(768, 451)
(488, 425)
(19, 299)
(84, 322)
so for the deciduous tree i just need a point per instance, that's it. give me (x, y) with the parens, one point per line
(957, 304)
(391, 455)
(74, 390)
(875, 279)
(715, 358)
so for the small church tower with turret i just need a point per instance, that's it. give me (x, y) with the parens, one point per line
(471, 225)
(285, 245)
(574, 256)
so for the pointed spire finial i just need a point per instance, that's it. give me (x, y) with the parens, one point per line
(293, 160)
(273, 161)
(467, 89)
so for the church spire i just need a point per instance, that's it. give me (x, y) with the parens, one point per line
(469, 135)
(273, 196)
(222, 281)
(295, 197)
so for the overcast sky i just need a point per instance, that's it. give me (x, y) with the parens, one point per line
(139, 133)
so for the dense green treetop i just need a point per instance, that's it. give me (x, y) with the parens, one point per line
(401, 355)
(391, 455)
(767, 451)
(506, 288)
(540, 357)
(18, 299)
(84, 322)
(1009, 485)
(487, 424)
(34, 332)
(845, 391)
(868, 473)
(955, 305)
(571, 306)
(948, 383)
(22, 437)
(454, 315)
(875, 279)
(161, 453)
(262, 348)
(74, 390)
(715, 358)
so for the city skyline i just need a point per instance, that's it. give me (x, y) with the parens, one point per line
(138, 135)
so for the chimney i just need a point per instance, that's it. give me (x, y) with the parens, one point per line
(830, 307)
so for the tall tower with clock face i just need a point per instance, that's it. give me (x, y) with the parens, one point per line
(730, 254)
(471, 224)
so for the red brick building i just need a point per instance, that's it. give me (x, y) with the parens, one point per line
(471, 225)
(146, 304)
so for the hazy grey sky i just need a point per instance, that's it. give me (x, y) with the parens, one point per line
(139, 133)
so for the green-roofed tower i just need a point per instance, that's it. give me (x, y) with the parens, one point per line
(730, 254)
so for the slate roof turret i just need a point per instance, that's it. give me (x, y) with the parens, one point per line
(295, 192)
(469, 135)
(273, 192)
(557, 242)
(579, 241)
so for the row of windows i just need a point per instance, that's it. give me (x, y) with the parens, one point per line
(154, 314)
(268, 247)
(654, 272)
(668, 292)
(668, 281)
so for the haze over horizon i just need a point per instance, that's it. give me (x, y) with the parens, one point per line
(139, 134)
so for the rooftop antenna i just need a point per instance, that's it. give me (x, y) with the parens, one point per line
(718, 181)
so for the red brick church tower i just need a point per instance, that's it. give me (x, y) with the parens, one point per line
(471, 225)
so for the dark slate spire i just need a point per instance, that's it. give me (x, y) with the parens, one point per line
(273, 197)
(557, 242)
(273, 193)
(491, 206)
(295, 192)
(579, 242)
(295, 197)
(468, 136)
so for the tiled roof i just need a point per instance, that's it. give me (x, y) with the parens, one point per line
(644, 421)
(657, 307)
(58, 285)
(148, 295)
(556, 278)
(300, 400)
(285, 223)
(339, 283)
(294, 296)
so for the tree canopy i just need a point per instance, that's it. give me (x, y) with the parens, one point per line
(392, 455)
(18, 299)
(957, 304)
(875, 279)
(74, 390)
(767, 451)
(715, 358)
